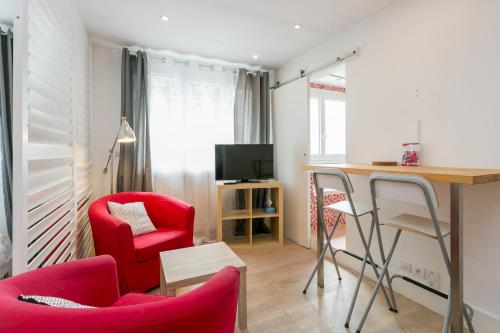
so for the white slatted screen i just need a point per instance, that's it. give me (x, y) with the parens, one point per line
(82, 138)
(54, 187)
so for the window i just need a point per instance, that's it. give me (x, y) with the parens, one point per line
(334, 134)
(327, 126)
(315, 127)
(191, 110)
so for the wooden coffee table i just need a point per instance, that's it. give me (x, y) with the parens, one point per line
(193, 265)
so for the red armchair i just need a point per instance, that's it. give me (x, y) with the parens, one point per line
(137, 258)
(210, 308)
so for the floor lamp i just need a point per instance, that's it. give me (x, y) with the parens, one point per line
(125, 135)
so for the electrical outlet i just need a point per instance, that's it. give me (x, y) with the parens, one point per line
(405, 267)
(419, 272)
(432, 279)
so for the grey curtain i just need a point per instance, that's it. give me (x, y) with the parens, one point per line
(252, 125)
(252, 113)
(134, 168)
(6, 41)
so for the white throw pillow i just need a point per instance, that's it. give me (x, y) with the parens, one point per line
(133, 213)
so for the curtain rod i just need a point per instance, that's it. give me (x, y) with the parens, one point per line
(5, 27)
(224, 68)
(303, 73)
(178, 56)
(208, 64)
(6, 30)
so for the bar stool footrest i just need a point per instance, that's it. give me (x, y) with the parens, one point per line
(468, 308)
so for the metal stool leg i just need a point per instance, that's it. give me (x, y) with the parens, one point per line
(394, 307)
(468, 320)
(328, 239)
(446, 258)
(370, 258)
(379, 281)
(329, 244)
(446, 322)
(360, 278)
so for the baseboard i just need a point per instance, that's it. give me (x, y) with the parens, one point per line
(483, 321)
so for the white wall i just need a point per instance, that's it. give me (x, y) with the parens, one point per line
(437, 62)
(107, 103)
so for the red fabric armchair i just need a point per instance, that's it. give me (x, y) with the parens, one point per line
(138, 257)
(210, 308)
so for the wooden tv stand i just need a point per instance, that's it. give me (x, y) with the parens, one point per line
(248, 213)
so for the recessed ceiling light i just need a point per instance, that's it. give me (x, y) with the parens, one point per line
(164, 18)
(297, 26)
(255, 56)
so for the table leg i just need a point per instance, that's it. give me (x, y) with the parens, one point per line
(456, 249)
(163, 284)
(218, 213)
(319, 237)
(242, 300)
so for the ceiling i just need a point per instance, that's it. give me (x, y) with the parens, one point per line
(232, 30)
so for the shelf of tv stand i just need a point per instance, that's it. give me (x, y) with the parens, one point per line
(258, 213)
(248, 214)
(240, 214)
(236, 214)
(259, 239)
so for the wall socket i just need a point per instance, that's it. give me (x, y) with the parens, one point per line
(419, 272)
(432, 279)
(426, 276)
(405, 267)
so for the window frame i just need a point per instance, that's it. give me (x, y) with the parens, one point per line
(322, 96)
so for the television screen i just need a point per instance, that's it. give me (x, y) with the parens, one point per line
(243, 162)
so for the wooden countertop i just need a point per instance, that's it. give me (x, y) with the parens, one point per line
(439, 174)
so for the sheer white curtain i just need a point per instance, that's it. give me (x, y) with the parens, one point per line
(191, 110)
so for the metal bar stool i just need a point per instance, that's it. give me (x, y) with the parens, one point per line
(338, 180)
(418, 191)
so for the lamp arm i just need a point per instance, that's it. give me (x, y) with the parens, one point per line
(105, 170)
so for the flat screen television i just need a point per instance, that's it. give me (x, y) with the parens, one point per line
(244, 162)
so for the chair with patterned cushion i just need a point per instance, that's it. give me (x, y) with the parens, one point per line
(210, 308)
(138, 258)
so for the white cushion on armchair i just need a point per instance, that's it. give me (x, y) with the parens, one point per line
(134, 214)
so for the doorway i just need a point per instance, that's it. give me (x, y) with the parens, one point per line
(327, 140)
